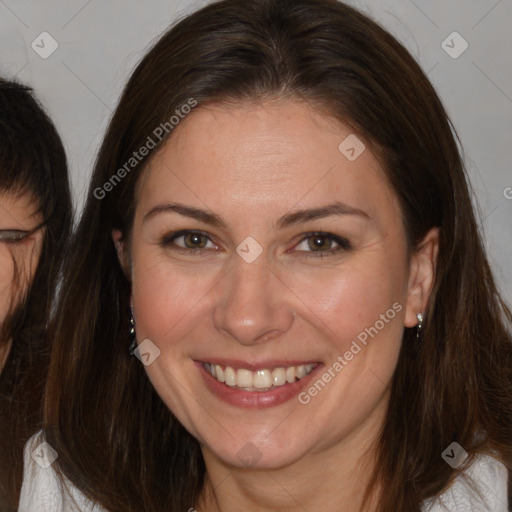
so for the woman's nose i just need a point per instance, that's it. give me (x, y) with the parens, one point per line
(252, 305)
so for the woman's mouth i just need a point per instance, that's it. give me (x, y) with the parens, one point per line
(259, 380)
(262, 386)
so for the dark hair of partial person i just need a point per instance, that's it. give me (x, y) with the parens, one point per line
(32, 163)
(102, 414)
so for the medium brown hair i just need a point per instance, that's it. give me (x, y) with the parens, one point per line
(116, 439)
(32, 162)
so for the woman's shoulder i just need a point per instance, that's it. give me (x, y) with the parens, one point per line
(482, 486)
(43, 490)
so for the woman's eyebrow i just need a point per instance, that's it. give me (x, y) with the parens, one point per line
(321, 212)
(187, 211)
(286, 220)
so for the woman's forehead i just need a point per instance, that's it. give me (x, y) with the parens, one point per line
(262, 157)
(17, 207)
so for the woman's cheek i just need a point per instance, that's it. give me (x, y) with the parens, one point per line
(163, 295)
(345, 299)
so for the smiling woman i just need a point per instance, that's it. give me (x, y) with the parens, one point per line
(35, 218)
(307, 228)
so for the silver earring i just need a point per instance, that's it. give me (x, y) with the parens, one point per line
(133, 344)
(419, 316)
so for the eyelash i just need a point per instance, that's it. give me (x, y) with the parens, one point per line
(343, 243)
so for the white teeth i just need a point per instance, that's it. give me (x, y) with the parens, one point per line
(244, 378)
(260, 380)
(290, 374)
(300, 372)
(220, 373)
(278, 377)
(230, 376)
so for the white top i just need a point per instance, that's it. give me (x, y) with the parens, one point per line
(43, 491)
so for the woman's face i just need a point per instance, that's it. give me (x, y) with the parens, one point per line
(18, 258)
(271, 285)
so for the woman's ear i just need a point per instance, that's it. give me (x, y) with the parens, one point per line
(119, 243)
(422, 273)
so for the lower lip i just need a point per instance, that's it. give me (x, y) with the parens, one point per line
(254, 399)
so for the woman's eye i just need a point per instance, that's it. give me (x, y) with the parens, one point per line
(317, 243)
(322, 244)
(11, 236)
(189, 241)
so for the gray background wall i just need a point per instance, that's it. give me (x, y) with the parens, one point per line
(99, 43)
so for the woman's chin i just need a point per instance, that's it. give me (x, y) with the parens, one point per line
(256, 454)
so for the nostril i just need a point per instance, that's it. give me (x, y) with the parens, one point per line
(268, 336)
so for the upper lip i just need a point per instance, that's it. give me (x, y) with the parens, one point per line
(259, 365)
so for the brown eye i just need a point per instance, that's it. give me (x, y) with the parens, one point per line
(195, 240)
(187, 241)
(322, 244)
